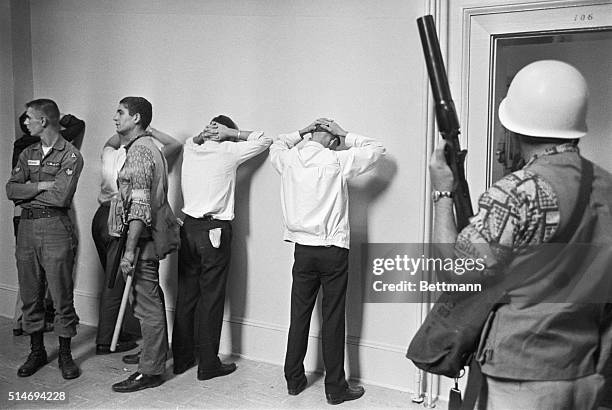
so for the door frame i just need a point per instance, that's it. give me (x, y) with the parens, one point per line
(471, 61)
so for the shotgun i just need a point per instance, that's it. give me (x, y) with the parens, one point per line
(446, 118)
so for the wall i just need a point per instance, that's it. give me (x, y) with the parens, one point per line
(7, 130)
(15, 89)
(271, 65)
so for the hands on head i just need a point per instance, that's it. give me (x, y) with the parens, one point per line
(218, 132)
(325, 124)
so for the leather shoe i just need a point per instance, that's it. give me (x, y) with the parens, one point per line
(68, 367)
(350, 393)
(294, 391)
(36, 360)
(121, 347)
(138, 381)
(222, 370)
(132, 358)
(180, 368)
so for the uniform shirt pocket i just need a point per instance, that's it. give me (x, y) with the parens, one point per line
(49, 168)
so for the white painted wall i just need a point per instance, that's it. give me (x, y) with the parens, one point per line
(15, 85)
(271, 65)
(7, 130)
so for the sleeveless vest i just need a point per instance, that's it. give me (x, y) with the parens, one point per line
(551, 329)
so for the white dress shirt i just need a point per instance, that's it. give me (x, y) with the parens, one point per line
(314, 192)
(112, 162)
(208, 176)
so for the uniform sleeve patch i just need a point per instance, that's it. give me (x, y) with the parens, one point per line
(69, 171)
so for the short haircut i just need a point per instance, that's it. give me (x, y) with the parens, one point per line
(319, 128)
(139, 105)
(22, 125)
(225, 120)
(48, 108)
(531, 140)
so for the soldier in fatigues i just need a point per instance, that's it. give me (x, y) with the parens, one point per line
(43, 183)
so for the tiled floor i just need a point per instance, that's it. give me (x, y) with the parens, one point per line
(253, 385)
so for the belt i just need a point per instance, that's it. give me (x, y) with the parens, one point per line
(36, 213)
(203, 218)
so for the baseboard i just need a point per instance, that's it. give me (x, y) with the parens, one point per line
(370, 362)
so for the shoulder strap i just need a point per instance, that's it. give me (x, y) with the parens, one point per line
(126, 211)
(475, 386)
(129, 145)
(584, 196)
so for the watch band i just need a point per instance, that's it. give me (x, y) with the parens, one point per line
(436, 195)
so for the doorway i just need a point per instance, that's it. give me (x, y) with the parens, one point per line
(497, 39)
(591, 53)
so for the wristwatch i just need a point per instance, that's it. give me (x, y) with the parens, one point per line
(436, 195)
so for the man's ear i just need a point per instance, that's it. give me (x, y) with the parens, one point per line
(44, 121)
(136, 118)
(334, 143)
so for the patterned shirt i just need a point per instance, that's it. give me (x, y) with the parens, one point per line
(518, 211)
(134, 180)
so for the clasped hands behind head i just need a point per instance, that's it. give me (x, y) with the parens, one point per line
(330, 127)
(218, 132)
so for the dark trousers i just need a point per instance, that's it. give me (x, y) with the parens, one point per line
(150, 310)
(45, 254)
(202, 277)
(315, 267)
(110, 299)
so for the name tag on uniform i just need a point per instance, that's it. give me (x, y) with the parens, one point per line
(34, 162)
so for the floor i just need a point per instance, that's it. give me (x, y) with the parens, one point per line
(253, 385)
